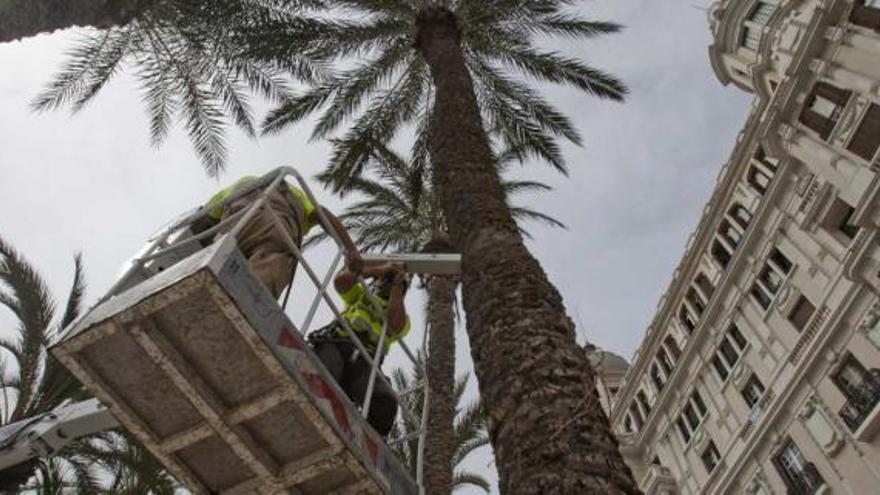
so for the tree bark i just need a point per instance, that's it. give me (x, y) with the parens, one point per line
(440, 435)
(25, 18)
(548, 431)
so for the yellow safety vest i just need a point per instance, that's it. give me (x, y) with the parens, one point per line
(366, 319)
(215, 211)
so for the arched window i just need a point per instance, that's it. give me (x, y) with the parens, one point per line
(687, 319)
(720, 254)
(740, 216)
(628, 424)
(672, 347)
(636, 415)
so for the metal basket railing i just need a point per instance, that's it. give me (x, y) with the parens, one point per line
(176, 237)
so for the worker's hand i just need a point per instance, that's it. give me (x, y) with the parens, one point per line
(399, 270)
(354, 263)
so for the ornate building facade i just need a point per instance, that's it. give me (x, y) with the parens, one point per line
(760, 372)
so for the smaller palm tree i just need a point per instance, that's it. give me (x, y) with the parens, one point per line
(470, 426)
(132, 469)
(34, 383)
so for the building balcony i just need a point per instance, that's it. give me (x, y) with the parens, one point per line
(658, 480)
(860, 413)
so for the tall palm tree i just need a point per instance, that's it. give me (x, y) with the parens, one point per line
(455, 69)
(400, 212)
(35, 383)
(24, 18)
(187, 61)
(468, 435)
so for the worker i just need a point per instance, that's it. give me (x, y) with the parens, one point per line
(262, 242)
(341, 356)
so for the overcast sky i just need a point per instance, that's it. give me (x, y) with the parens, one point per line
(94, 184)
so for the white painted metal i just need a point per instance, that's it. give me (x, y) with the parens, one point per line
(426, 264)
(43, 435)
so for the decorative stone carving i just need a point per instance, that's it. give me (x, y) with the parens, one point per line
(814, 416)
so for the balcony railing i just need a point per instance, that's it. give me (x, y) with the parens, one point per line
(861, 400)
(807, 481)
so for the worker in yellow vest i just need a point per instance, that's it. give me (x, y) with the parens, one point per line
(261, 240)
(365, 318)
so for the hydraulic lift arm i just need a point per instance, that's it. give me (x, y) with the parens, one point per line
(41, 436)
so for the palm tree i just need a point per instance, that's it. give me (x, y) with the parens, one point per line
(23, 18)
(469, 432)
(36, 383)
(451, 67)
(185, 56)
(400, 212)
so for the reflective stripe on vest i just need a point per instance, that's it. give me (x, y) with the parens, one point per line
(363, 317)
(215, 211)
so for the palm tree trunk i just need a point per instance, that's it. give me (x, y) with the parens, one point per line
(547, 428)
(24, 18)
(440, 436)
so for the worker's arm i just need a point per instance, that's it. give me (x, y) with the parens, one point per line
(396, 317)
(353, 261)
(347, 278)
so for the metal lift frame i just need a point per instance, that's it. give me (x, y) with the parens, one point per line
(166, 246)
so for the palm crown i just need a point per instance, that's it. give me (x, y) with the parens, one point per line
(399, 210)
(387, 83)
(186, 56)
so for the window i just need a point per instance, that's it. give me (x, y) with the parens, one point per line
(731, 234)
(704, 286)
(866, 139)
(729, 351)
(758, 179)
(643, 400)
(720, 254)
(686, 319)
(696, 300)
(861, 389)
(628, 424)
(613, 391)
(637, 416)
(752, 32)
(740, 215)
(672, 347)
(692, 414)
(665, 362)
(800, 476)
(711, 457)
(823, 107)
(753, 391)
(866, 14)
(683, 430)
(801, 313)
(657, 378)
(720, 368)
(770, 278)
(838, 221)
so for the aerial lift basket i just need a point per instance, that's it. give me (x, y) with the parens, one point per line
(202, 366)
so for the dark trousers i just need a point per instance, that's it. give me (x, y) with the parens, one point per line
(354, 377)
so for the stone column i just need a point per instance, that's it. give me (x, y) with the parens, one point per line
(846, 78)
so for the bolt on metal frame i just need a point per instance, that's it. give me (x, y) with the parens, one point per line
(163, 245)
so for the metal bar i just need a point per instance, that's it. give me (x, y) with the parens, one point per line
(323, 289)
(377, 361)
(420, 464)
(338, 314)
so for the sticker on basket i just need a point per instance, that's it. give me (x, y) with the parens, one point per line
(321, 389)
